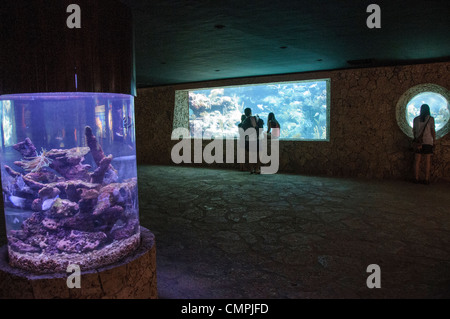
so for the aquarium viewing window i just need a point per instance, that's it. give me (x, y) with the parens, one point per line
(301, 108)
(438, 108)
(408, 107)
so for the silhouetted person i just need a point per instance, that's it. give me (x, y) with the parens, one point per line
(252, 122)
(241, 142)
(273, 127)
(424, 125)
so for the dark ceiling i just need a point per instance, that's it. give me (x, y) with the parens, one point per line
(181, 41)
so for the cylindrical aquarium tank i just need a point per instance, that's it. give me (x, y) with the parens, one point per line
(69, 179)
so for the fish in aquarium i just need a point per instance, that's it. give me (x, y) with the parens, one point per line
(61, 211)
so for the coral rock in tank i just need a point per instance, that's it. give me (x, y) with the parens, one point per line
(80, 215)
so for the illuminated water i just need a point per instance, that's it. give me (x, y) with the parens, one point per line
(438, 108)
(301, 108)
(69, 179)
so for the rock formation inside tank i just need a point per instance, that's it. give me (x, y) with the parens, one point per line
(80, 216)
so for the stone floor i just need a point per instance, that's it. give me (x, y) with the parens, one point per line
(228, 234)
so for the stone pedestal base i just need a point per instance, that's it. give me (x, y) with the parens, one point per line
(134, 277)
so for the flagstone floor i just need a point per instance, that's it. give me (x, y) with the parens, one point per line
(222, 233)
(228, 234)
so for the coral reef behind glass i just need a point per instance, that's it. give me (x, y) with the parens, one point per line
(300, 108)
(69, 179)
(439, 108)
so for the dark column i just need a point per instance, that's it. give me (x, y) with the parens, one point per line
(39, 53)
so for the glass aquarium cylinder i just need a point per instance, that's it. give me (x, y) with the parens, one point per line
(69, 179)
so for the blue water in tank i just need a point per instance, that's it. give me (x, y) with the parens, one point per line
(69, 179)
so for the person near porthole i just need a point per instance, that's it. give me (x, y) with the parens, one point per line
(424, 129)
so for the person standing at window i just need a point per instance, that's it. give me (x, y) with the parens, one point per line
(241, 141)
(424, 125)
(255, 123)
(273, 127)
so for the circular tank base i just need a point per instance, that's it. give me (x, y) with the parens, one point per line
(134, 277)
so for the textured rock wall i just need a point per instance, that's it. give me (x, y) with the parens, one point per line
(133, 277)
(365, 139)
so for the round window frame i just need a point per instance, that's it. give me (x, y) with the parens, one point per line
(402, 105)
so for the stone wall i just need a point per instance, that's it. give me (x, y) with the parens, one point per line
(365, 139)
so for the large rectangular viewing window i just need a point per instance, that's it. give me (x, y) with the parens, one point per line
(301, 108)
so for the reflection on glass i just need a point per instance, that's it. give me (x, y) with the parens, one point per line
(8, 133)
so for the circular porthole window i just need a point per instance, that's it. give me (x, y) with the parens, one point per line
(408, 107)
